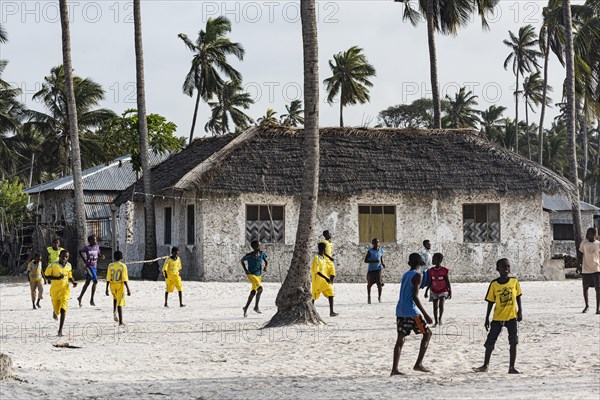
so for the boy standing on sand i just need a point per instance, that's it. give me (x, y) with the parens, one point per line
(374, 258)
(90, 255)
(60, 274)
(170, 271)
(321, 283)
(254, 272)
(330, 270)
(590, 273)
(505, 293)
(117, 278)
(35, 276)
(425, 254)
(439, 284)
(408, 318)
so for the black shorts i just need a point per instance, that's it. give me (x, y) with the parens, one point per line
(496, 328)
(374, 278)
(406, 325)
(591, 280)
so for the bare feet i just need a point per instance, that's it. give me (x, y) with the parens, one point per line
(34, 307)
(92, 303)
(379, 298)
(245, 311)
(369, 300)
(256, 310)
(166, 305)
(333, 314)
(115, 317)
(585, 309)
(59, 334)
(121, 324)
(513, 371)
(38, 304)
(420, 368)
(182, 305)
(55, 317)
(483, 368)
(396, 372)
(79, 300)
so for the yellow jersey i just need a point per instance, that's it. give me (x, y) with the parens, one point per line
(117, 273)
(53, 255)
(55, 270)
(504, 296)
(172, 266)
(35, 271)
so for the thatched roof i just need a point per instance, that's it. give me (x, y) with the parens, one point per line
(353, 161)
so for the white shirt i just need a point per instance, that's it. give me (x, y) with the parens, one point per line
(427, 258)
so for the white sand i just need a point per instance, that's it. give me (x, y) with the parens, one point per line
(209, 351)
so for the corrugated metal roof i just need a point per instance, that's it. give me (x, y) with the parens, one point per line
(562, 203)
(97, 211)
(117, 175)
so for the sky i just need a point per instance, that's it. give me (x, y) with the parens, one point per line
(270, 31)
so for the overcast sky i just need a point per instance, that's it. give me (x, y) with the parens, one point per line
(102, 49)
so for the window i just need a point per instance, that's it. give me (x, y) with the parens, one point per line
(481, 223)
(563, 232)
(377, 222)
(265, 223)
(168, 213)
(191, 224)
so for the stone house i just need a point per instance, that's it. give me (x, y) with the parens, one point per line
(476, 202)
(561, 222)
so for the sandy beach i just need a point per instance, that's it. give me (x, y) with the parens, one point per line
(207, 350)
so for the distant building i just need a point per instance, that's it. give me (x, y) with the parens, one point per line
(561, 221)
(475, 201)
(54, 201)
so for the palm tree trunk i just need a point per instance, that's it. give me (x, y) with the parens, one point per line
(293, 301)
(195, 116)
(149, 271)
(570, 113)
(435, 93)
(544, 95)
(527, 128)
(73, 131)
(517, 112)
(341, 113)
(586, 149)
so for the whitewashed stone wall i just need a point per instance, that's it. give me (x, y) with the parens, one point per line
(58, 203)
(221, 242)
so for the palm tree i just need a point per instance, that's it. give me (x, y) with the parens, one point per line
(3, 35)
(445, 17)
(460, 112)
(534, 94)
(73, 125)
(269, 119)
(149, 270)
(570, 114)
(294, 116)
(351, 79)
(555, 148)
(210, 57)
(551, 38)
(491, 122)
(293, 301)
(523, 56)
(56, 125)
(231, 100)
(11, 114)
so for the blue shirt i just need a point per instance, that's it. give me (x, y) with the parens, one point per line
(255, 263)
(375, 259)
(406, 306)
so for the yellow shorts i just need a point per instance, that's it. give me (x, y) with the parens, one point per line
(255, 280)
(60, 300)
(118, 292)
(174, 283)
(327, 291)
